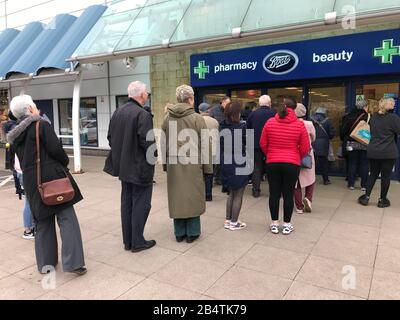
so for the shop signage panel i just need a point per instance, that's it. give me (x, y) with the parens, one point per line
(371, 53)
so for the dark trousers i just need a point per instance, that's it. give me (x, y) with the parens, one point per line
(383, 168)
(135, 209)
(190, 227)
(358, 163)
(46, 246)
(323, 166)
(259, 169)
(298, 195)
(234, 204)
(217, 174)
(282, 178)
(209, 185)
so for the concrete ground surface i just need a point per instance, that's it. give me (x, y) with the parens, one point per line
(339, 251)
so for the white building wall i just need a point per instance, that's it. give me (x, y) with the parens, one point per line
(95, 84)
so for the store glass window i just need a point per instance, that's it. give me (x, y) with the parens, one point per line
(333, 98)
(374, 92)
(214, 98)
(3, 111)
(88, 121)
(278, 94)
(249, 100)
(123, 99)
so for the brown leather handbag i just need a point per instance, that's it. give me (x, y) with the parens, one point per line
(54, 192)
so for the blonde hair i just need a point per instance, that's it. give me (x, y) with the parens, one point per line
(386, 104)
(184, 93)
(373, 107)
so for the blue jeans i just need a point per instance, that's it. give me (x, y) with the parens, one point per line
(27, 214)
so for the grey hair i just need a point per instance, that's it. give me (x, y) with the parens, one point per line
(184, 93)
(136, 88)
(19, 105)
(265, 100)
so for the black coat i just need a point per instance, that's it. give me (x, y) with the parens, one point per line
(228, 153)
(54, 161)
(257, 121)
(321, 143)
(127, 134)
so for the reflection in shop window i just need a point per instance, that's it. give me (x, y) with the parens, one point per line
(334, 100)
(278, 94)
(88, 121)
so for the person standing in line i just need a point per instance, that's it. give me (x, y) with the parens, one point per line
(218, 114)
(130, 127)
(29, 226)
(54, 165)
(324, 133)
(256, 122)
(213, 127)
(356, 151)
(307, 175)
(382, 150)
(284, 141)
(185, 172)
(230, 150)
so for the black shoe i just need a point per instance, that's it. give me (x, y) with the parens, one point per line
(256, 193)
(363, 200)
(383, 203)
(128, 247)
(180, 238)
(209, 199)
(191, 239)
(147, 245)
(218, 183)
(225, 190)
(327, 182)
(80, 271)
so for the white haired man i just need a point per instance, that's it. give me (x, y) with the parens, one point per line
(127, 136)
(54, 162)
(256, 122)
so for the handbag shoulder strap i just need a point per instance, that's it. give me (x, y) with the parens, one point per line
(357, 121)
(321, 126)
(38, 170)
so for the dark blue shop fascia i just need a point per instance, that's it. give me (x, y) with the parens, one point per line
(362, 54)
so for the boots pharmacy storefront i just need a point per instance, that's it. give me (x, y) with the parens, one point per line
(330, 72)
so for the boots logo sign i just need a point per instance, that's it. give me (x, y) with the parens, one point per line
(280, 62)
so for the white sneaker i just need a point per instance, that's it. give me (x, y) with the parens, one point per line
(227, 224)
(287, 229)
(237, 226)
(274, 228)
(299, 211)
(307, 205)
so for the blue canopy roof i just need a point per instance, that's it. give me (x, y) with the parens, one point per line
(40, 47)
(6, 37)
(17, 47)
(43, 44)
(72, 39)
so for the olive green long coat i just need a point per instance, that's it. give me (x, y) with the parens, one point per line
(186, 188)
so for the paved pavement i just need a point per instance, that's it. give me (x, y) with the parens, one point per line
(340, 251)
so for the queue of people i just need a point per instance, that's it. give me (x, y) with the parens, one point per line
(287, 148)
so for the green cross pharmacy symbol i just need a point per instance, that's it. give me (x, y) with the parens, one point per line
(201, 70)
(387, 52)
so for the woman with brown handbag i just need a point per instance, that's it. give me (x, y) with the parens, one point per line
(50, 189)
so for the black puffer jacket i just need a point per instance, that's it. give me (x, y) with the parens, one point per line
(54, 161)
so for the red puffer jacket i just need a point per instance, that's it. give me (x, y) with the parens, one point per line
(285, 140)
